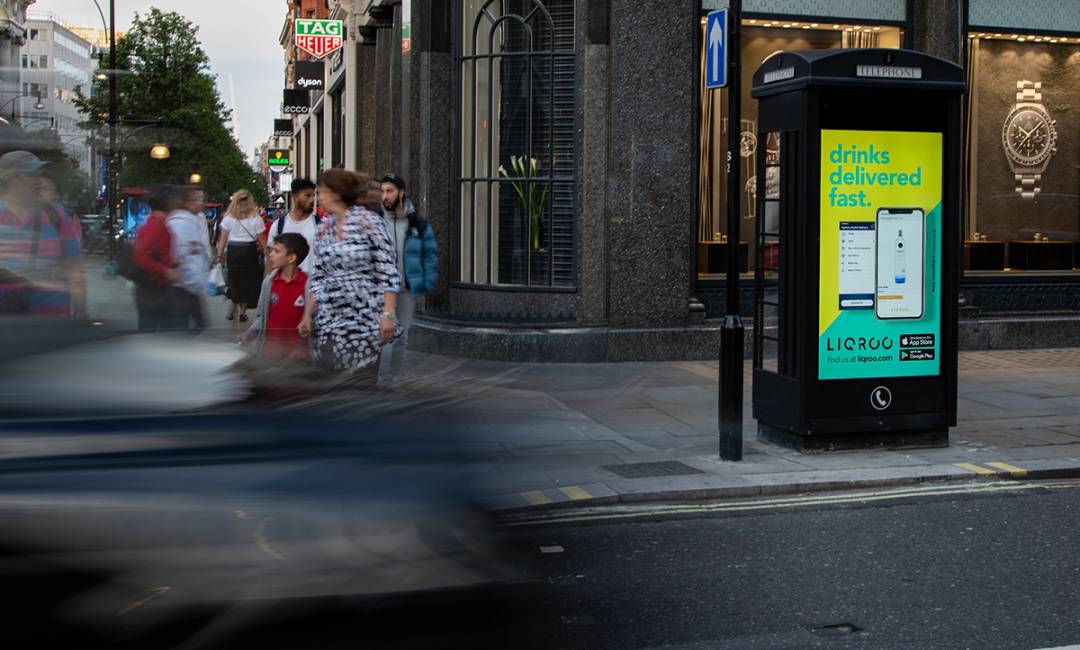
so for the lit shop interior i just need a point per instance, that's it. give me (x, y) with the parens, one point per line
(1023, 194)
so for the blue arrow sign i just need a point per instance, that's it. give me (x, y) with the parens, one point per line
(716, 37)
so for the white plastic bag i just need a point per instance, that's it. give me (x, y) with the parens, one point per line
(215, 284)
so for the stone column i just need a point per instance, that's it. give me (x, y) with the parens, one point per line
(937, 26)
(652, 161)
(382, 118)
(366, 119)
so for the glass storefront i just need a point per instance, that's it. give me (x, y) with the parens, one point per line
(761, 38)
(1023, 207)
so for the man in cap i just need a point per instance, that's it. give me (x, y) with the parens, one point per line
(417, 261)
(40, 261)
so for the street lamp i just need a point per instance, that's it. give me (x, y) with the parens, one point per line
(195, 178)
(160, 152)
(38, 105)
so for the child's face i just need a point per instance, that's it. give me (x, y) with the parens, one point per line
(279, 256)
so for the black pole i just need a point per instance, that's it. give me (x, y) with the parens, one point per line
(113, 154)
(732, 334)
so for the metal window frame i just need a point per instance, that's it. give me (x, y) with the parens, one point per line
(489, 176)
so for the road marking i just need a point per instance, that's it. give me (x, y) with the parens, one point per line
(661, 510)
(552, 549)
(157, 592)
(575, 493)
(264, 544)
(1064, 647)
(971, 467)
(1013, 470)
(536, 498)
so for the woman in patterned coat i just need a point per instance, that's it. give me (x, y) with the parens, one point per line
(351, 296)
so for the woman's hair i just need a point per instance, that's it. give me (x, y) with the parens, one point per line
(352, 186)
(242, 205)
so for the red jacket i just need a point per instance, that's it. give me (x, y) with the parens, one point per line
(153, 248)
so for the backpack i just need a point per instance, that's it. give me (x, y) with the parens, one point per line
(126, 266)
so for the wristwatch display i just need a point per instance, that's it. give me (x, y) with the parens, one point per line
(1030, 138)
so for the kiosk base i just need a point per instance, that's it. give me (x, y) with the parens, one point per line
(846, 441)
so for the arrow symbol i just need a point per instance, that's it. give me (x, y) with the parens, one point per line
(716, 41)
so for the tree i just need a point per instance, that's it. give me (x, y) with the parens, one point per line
(163, 73)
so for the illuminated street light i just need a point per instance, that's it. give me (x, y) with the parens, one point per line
(160, 152)
(195, 178)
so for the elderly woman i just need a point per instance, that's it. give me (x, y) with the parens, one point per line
(352, 291)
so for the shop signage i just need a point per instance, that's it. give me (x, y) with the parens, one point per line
(283, 128)
(319, 37)
(296, 102)
(881, 247)
(888, 72)
(310, 75)
(716, 36)
(278, 160)
(406, 27)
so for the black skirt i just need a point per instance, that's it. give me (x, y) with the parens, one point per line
(245, 273)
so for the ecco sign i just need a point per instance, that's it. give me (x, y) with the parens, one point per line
(295, 102)
(283, 128)
(319, 37)
(310, 75)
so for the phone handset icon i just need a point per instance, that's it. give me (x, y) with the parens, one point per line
(880, 398)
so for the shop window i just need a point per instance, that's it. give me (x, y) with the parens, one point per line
(761, 38)
(1024, 184)
(517, 154)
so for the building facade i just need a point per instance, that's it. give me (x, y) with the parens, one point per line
(571, 160)
(12, 37)
(54, 62)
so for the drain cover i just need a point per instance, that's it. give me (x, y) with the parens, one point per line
(646, 470)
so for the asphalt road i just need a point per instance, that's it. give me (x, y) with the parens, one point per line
(939, 570)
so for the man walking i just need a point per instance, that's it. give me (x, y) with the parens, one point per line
(301, 220)
(191, 253)
(417, 262)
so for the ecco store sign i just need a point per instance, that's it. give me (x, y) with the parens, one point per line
(319, 37)
(310, 75)
(296, 102)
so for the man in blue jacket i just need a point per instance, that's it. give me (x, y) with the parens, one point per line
(417, 261)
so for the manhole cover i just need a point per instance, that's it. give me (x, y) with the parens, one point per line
(645, 470)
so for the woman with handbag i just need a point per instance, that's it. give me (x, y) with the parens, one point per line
(241, 245)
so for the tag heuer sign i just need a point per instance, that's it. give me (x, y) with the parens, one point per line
(278, 159)
(283, 128)
(296, 102)
(319, 37)
(309, 75)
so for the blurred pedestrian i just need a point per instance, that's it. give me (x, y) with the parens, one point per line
(301, 219)
(275, 330)
(352, 292)
(156, 297)
(241, 246)
(417, 256)
(191, 251)
(41, 269)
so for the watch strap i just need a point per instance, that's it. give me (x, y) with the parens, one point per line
(1029, 92)
(1027, 185)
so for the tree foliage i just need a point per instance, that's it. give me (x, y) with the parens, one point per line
(163, 73)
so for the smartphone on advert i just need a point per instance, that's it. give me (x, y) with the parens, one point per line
(900, 263)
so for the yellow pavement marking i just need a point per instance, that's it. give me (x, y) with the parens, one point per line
(1018, 472)
(971, 467)
(536, 497)
(575, 493)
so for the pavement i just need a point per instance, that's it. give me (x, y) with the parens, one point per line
(546, 436)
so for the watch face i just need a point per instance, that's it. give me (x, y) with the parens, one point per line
(1029, 135)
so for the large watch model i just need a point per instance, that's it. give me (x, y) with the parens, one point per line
(1030, 138)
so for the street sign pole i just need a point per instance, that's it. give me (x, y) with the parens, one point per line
(732, 335)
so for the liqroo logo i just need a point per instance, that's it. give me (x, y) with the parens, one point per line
(881, 398)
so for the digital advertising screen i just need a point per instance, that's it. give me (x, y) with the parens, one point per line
(879, 311)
